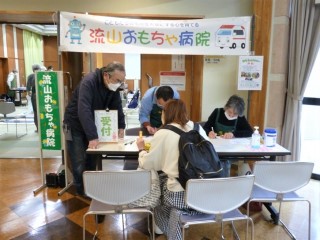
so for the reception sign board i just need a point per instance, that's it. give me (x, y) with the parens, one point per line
(107, 125)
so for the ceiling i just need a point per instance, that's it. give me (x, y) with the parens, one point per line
(45, 30)
(28, 17)
(43, 23)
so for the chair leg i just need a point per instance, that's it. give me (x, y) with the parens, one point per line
(222, 237)
(25, 121)
(183, 231)
(123, 235)
(285, 227)
(235, 231)
(153, 223)
(84, 227)
(252, 228)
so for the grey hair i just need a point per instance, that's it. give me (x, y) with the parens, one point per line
(111, 67)
(36, 67)
(236, 103)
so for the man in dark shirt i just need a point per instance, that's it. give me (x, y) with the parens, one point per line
(98, 90)
(31, 88)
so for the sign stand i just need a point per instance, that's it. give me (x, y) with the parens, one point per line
(50, 105)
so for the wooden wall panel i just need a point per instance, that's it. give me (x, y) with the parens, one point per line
(197, 85)
(152, 64)
(10, 42)
(20, 49)
(110, 57)
(3, 79)
(50, 53)
(262, 30)
(1, 41)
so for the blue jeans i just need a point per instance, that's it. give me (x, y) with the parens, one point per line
(80, 161)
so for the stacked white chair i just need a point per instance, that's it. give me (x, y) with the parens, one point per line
(8, 108)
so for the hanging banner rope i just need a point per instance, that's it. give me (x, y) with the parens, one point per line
(90, 33)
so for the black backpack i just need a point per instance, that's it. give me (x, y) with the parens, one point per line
(197, 158)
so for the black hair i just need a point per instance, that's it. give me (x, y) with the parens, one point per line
(164, 92)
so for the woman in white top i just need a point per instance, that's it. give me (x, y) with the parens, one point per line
(163, 156)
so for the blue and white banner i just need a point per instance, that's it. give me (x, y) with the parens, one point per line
(90, 33)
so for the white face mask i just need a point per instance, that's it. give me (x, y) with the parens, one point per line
(114, 86)
(228, 117)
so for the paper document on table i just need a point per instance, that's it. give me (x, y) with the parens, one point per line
(242, 141)
(233, 141)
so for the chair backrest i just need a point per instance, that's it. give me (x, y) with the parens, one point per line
(218, 195)
(282, 177)
(7, 107)
(133, 131)
(117, 187)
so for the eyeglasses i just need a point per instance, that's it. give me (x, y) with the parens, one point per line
(116, 80)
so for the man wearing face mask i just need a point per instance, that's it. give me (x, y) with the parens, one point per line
(152, 104)
(98, 90)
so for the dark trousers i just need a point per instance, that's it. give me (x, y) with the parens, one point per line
(80, 161)
(35, 111)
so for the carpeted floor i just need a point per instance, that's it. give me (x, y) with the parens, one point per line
(19, 140)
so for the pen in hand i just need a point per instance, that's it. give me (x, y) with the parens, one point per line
(214, 134)
(127, 143)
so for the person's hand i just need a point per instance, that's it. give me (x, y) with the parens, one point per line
(140, 143)
(121, 133)
(151, 130)
(93, 144)
(212, 134)
(228, 135)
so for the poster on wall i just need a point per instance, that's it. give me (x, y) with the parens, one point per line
(215, 36)
(174, 79)
(250, 72)
(48, 110)
(107, 125)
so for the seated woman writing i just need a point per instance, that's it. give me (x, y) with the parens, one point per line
(229, 122)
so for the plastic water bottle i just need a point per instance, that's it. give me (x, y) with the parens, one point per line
(255, 141)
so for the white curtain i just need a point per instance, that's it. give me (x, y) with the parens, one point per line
(304, 43)
(33, 50)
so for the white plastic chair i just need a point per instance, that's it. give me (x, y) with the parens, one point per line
(277, 182)
(218, 199)
(111, 191)
(7, 108)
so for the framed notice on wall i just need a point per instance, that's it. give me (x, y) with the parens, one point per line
(107, 125)
(250, 72)
(174, 79)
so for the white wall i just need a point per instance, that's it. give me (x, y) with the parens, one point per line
(207, 8)
(220, 81)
